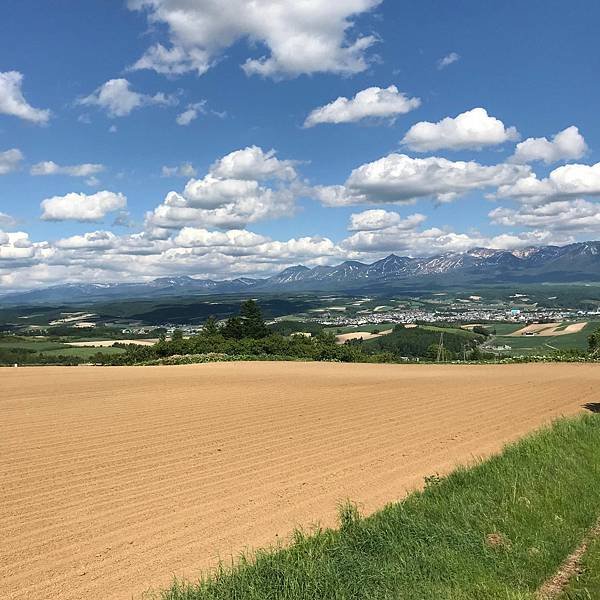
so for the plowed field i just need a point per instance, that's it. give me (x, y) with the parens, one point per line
(112, 480)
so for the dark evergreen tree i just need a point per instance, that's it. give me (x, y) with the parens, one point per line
(210, 327)
(253, 323)
(234, 328)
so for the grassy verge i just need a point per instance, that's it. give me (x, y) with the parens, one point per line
(586, 584)
(496, 530)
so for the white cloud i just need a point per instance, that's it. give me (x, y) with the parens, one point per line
(301, 37)
(12, 101)
(473, 129)
(577, 216)
(16, 249)
(192, 237)
(408, 238)
(563, 182)
(183, 170)
(232, 194)
(7, 220)
(253, 163)
(118, 99)
(371, 220)
(49, 167)
(448, 60)
(10, 160)
(373, 102)
(398, 178)
(567, 144)
(215, 203)
(190, 113)
(93, 239)
(82, 207)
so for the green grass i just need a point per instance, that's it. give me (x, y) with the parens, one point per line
(586, 585)
(83, 352)
(539, 497)
(457, 330)
(27, 343)
(504, 328)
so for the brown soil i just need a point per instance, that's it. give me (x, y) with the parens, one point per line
(112, 480)
(549, 329)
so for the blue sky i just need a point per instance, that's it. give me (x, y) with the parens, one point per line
(160, 137)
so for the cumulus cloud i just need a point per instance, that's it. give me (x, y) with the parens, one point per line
(242, 187)
(92, 239)
(229, 204)
(577, 216)
(183, 170)
(16, 249)
(193, 237)
(190, 113)
(12, 101)
(49, 167)
(398, 178)
(567, 144)
(473, 129)
(82, 207)
(371, 220)
(253, 163)
(373, 102)
(118, 99)
(10, 160)
(448, 60)
(408, 238)
(301, 37)
(563, 182)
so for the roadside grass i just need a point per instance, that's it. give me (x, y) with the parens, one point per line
(586, 584)
(496, 530)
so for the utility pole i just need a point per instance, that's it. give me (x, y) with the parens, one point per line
(440, 352)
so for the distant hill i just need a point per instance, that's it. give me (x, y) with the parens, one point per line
(553, 264)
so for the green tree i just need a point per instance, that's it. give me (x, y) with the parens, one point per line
(234, 328)
(481, 330)
(594, 343)
(210, 327)
(253, 323)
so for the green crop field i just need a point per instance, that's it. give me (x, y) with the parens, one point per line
(494, 531)
(27, 343)
(504, 328)
(34, 350)
(544, 344)
(84, 352)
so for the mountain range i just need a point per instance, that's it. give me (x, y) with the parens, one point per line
(577, 262)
